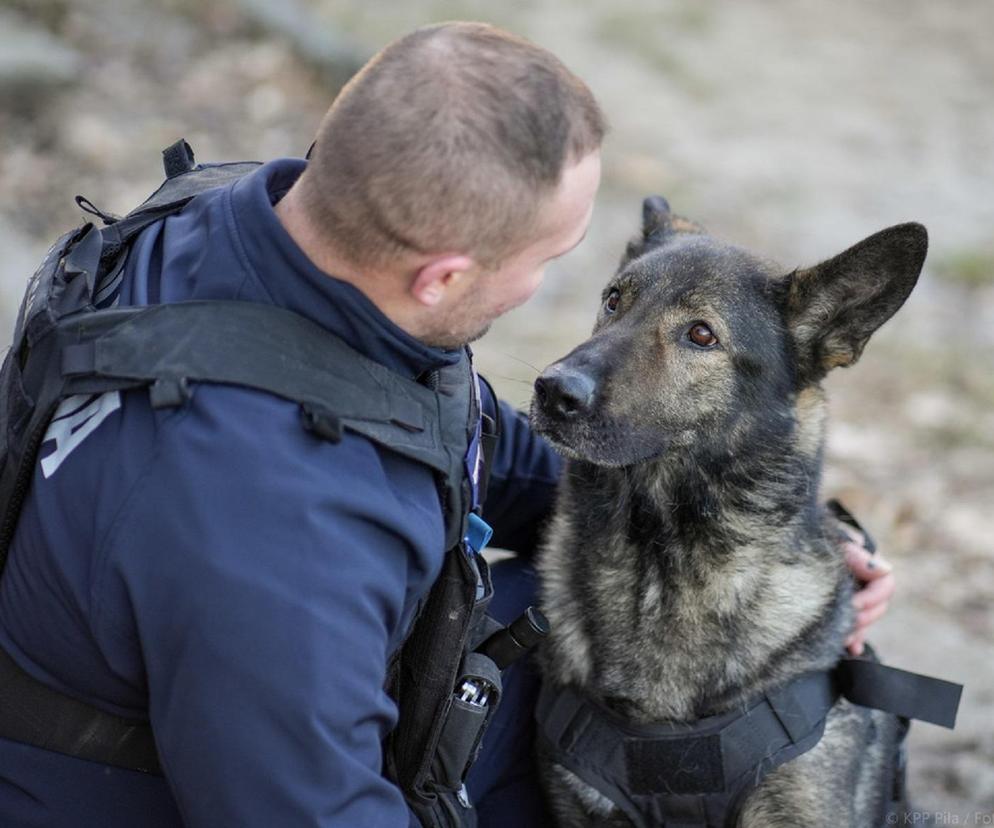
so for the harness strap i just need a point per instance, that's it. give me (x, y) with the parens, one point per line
(256, 346)
(33, 713)
(699, 773)
(912, 695)
(178, 158)
(683, 774)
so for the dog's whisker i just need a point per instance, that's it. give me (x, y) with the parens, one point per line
(522, 361)
(511, 379)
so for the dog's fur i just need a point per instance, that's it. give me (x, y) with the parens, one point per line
(689, 565)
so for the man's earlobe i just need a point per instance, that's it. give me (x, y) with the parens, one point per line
(433, 279)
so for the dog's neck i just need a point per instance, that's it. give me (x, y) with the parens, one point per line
(721, 582)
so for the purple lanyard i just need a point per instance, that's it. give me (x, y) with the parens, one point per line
(474, 451)
(478, 531)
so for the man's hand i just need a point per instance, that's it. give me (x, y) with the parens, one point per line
(872, 599)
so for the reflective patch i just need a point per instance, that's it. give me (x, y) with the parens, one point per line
(75, 419)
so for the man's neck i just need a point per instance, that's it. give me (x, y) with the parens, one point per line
(382, 289)
(296, 223)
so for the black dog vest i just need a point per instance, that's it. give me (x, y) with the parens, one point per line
(700, 773)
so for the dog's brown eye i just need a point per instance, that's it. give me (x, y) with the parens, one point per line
(613, 299)
(700, 334)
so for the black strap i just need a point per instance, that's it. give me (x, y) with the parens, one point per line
(489, 438)
(83, 261)
(698, 773)
(33, 713)
(88, 206)
(674, 772)
(843, 515)
(178, 158)
(256, 346)
(912, 695)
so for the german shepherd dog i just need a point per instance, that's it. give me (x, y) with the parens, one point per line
(689, 565)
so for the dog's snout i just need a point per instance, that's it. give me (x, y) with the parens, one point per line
(565, 393)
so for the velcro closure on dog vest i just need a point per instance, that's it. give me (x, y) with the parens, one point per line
(685, 765)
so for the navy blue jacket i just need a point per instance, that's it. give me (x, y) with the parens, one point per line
(220, 567)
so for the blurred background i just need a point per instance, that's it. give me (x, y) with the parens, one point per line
(795, 129)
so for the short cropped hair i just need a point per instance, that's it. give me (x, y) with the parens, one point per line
(447, 140)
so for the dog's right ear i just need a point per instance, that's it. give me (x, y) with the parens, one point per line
(832, 308)
(658, 223)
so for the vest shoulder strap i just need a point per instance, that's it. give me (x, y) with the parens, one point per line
(255, 346)
(274, 350)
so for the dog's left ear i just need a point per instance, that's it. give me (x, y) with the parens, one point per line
(658, 223)
(834, 307)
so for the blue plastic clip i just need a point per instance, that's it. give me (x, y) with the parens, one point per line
(478, 533)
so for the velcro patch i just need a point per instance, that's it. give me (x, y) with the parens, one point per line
(675, 765)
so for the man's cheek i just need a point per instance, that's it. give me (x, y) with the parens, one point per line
(527, 290)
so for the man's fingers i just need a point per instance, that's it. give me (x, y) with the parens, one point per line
(856, 643)
(871, 600)
(875, 592)
(864, 566)
(868, 616)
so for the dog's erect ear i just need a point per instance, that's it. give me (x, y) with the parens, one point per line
(834, 307)
(658, 223)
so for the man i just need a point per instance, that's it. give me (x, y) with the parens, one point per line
(218, 569)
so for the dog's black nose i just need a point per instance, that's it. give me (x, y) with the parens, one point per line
(565, 393)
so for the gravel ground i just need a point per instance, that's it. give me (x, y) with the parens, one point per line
(794, 129)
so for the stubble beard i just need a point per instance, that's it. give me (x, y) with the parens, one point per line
(450, 341)
(460, 327)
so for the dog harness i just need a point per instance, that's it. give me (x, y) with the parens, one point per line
(699, 773)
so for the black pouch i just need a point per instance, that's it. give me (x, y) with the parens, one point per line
(470, 709)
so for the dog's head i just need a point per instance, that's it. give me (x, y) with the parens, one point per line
(695, 337)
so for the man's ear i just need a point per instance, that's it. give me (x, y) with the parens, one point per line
(832, 308)
(658, 223)
(433, 280)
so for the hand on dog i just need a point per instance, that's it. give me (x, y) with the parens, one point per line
(871, 600)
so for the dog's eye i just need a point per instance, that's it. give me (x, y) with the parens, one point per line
(613, 299)
(701, 335)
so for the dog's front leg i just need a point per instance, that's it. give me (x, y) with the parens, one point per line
(573, 803)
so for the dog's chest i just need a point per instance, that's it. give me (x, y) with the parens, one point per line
(624, 629)
(667, 632)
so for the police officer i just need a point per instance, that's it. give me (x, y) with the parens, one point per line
(216, 568)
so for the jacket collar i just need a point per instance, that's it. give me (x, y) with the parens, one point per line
(294, 282)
